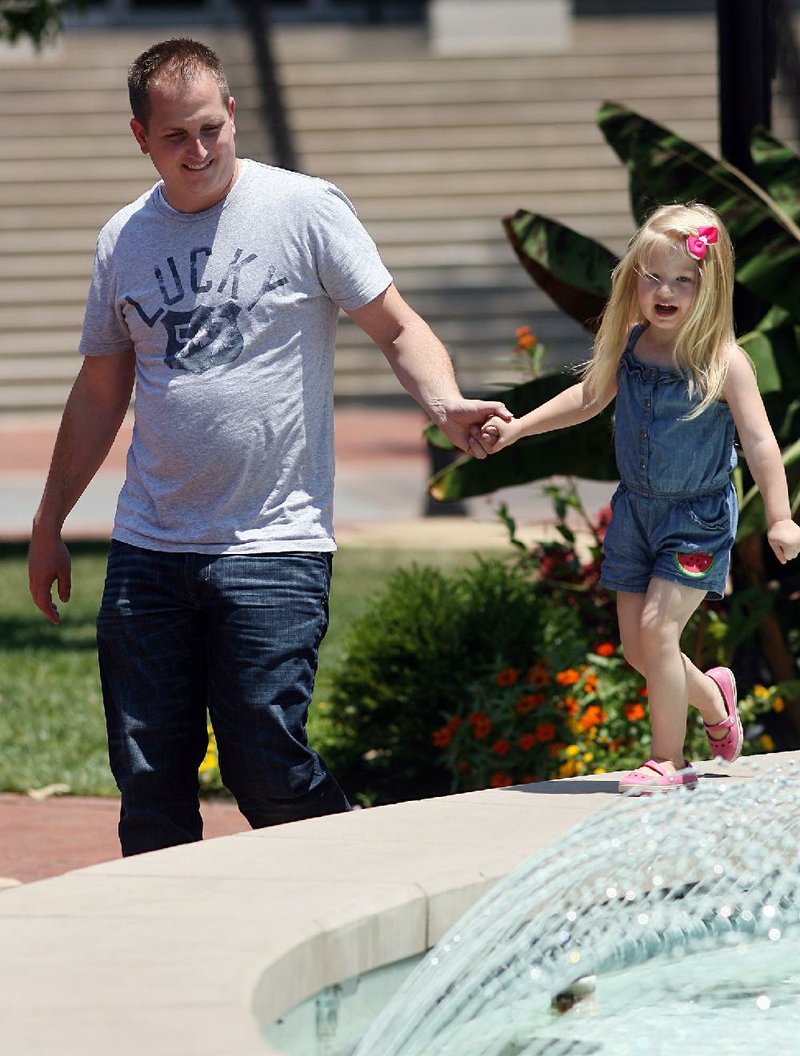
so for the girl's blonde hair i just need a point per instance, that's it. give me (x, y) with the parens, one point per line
(704, 341)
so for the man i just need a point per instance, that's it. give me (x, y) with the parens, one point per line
(218, 292)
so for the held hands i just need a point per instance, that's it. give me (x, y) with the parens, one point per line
(496, 433)
(461, 422)
(784, 538)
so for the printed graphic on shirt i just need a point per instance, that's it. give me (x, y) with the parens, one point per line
(206, 335)
(696, 565)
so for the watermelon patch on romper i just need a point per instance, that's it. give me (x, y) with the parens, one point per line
(696, 565)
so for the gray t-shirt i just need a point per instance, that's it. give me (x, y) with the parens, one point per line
(232, 313)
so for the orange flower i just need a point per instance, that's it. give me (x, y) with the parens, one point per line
(507, 677)
(634, 712)
(545, 731)
(568, 677)
(527, 741)
(500, 779)
(522, 331)
(593, 716)
(590, 683)
(605, 649)
(539, 674)
(527, 341)
(501, 747)
(644, 692)
(526, 703)
(570, 705)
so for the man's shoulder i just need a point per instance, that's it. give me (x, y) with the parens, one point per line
(289, 184)
(117, 224)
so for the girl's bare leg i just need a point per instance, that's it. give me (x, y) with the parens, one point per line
(651, 625)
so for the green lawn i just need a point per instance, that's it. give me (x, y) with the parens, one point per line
(51, 716)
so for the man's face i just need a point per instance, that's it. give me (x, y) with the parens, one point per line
(191, 139)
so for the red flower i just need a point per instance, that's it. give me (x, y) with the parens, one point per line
(501, 747)
(605, 649)
(507, 677)
(500, 779)
(527, 741)
(539, 674)
(528, 702)
(545, 731)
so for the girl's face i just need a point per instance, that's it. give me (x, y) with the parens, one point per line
(666, 287)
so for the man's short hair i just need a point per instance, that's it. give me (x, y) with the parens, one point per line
(178, 59)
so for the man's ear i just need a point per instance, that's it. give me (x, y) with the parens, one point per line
(140, 135)
(232, 111)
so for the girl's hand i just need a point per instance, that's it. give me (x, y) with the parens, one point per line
(495, 434)
(784, 538)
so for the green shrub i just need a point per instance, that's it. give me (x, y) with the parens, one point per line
(409, 661)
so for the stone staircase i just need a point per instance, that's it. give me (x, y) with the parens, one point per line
(433, 151)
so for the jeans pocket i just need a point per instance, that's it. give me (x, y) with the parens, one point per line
(709, 512)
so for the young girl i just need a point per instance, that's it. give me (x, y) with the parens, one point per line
(667, 351)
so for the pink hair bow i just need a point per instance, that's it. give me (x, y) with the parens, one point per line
(697, 245)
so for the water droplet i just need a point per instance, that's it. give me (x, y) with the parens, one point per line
(763, 1002)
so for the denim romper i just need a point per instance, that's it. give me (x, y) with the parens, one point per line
(675, 512)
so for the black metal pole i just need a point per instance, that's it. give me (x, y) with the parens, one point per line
(746, 68)
(257, 21)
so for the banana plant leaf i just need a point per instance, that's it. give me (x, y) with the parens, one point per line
(582, 451)
(751, 511)
(666, 167)
(573, 270)
(778, 170)
(585, 450)
(775, 353)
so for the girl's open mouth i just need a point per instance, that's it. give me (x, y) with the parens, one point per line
(666, 309)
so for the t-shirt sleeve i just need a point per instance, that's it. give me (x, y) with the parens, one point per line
(104, 330)
(348, 264)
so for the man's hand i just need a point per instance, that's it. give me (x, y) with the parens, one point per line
(49, 562)
(461, 422)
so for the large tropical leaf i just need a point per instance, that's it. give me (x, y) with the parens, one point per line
(582, 451)
(778, 170)
(667, 168)
(776, 355)
(573, 270)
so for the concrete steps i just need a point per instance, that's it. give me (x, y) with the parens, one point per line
(432, 151)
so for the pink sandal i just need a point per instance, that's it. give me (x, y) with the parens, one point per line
(728, 747)
(640, 782)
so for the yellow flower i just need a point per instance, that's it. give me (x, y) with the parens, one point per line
(568, 769)
(587, 757)
(599, 770)
(766, 742)
(572, 750)
(760, 691)
(778, 704)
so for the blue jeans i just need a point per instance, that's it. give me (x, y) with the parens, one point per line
(238, 636)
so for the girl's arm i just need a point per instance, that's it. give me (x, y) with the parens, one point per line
(571, 407)
(763, 455)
